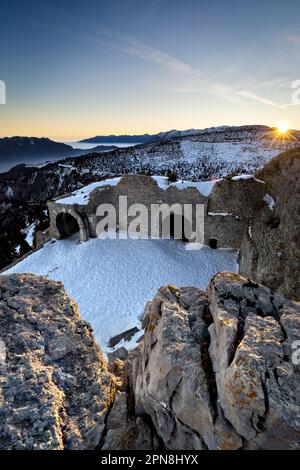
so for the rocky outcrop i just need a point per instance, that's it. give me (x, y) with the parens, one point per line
(215, 370)
(252, 334)
(124, 428)
(55, 390)
(270, 251)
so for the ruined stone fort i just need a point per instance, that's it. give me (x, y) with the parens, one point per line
(229, 205)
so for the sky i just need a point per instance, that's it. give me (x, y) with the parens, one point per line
(75, 69)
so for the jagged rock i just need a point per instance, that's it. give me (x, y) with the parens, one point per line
(131, 435)
(216, 371)
(120, 353)
(172, 376)
(256, 379)
(55, 390)
(271, 253)
(127, 432)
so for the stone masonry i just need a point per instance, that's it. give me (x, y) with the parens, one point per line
(228, 209)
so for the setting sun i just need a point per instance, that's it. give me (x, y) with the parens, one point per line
(283, 128)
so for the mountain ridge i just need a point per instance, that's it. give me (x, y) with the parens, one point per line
(171, 134)
(22, 150)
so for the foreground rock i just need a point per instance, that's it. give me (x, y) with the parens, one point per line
(215, 371)
(55, 390)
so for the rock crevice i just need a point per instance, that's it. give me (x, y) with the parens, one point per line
(221, 374)
(214, 370)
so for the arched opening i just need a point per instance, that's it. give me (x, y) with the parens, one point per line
(176, 226)
(66, 224)
(213, 243)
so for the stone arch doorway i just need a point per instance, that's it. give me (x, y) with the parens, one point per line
(69, 223)
(177, 226)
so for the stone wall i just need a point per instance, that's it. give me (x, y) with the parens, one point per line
(228, 231)
(238, 197)
(79, 215)
(234, 200)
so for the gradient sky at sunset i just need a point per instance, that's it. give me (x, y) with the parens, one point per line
(77, 69)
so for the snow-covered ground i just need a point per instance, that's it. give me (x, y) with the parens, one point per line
(204, 187)
(270, 201)
(82, 196)
(29, 231)
(111, 280)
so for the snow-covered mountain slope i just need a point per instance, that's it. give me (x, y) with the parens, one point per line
(209, 153)
(205, 155)
(174, 133)
(111, 280)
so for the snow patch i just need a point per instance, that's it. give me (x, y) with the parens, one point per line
(269, 201)
(222, 214)
(204, 187)
(162, 181)
(246, 177)
(250, 232)
(29, 231)
(9, 192)
(82, 196)
(111, 280)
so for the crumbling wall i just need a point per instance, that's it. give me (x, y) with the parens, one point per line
(227, 210)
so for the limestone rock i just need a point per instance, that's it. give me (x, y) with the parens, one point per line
(127, 432)
(216, 371)
(54, 386)
(271, 254)
(120, 353)
(252, 333)
(172, 376)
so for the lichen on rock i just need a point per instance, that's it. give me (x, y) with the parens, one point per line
(215, 370)
(55, 389)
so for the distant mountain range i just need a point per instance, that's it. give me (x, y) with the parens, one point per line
(138, 139)
(172, 149)
(116, 139)
(13, 146)
(32, 150)
(174, 134)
